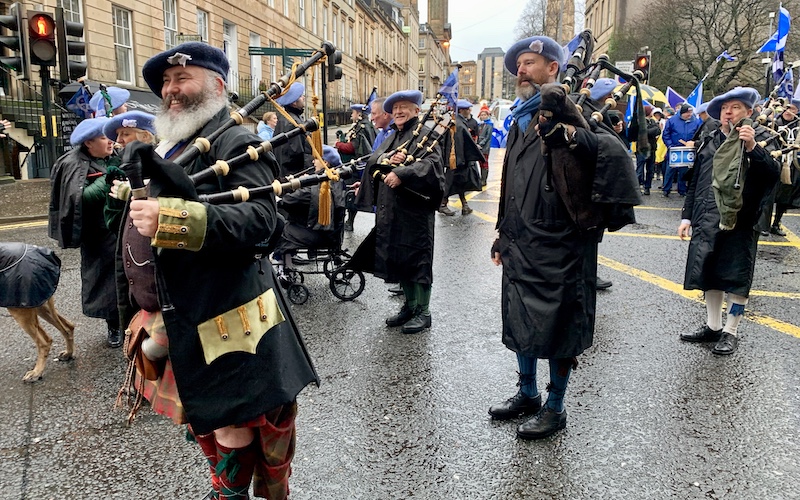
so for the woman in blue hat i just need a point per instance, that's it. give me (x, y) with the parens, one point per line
(79, 194)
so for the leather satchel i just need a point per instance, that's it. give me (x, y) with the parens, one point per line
(134, 336)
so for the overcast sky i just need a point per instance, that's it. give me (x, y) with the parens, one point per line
(478, 24)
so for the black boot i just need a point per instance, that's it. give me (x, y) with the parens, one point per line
(518, 405)
(777, 230)
(114, 338)
(704, 334)
(400, 318)
(419, 322)
(543, 424)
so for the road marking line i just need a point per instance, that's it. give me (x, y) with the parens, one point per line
(696, 296)
(22, 225)
(794, 244)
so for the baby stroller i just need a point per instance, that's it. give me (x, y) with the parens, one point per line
(321, 244)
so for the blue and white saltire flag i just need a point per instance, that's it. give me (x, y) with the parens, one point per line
(372, 97)
(725, 56)
(674, 99)
(696, 97)
(629, 109)
(797, 92)
(569, 48)
(786, 87)
(449, 88)
(778, 39)
(79, 103)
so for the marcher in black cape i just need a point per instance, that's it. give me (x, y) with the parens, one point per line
(76, 220)
(358, 145)
(404, 222)
(235, 351)
(722, 261)
(549, 262)
(296, 154)
(466, 159)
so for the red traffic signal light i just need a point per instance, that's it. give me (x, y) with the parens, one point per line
(642, 63)
(42, 38)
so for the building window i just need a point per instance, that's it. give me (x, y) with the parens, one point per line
(301, 7)
(229, 46)
(422, 43)
(325, 23)
(286, 8)
(170, 23)
(273, 68)
(73, 12)
(421, 85)
(123, 43)
(202, 25)
(271, 3)
(342, 46)
(350, 40)
(335, 24)
(314, 16)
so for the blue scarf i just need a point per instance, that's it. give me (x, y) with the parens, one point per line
(524, 111)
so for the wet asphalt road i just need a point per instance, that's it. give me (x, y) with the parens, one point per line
(402, 416)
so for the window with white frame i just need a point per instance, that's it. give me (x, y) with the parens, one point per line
(271, 3)
(73, 11)
(286, 8)
(202, 25)
(123, 43)
(335, 24)
(342, 45)
(229, 46)
(350, 40)
(301, 7)
(273, 68)
(170, 23)
(314, 16)
(325, 23)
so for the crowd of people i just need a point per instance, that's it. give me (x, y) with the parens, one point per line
(212, 340)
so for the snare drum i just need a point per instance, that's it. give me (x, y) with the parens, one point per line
(681, 157)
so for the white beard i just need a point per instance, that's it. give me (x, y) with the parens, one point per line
(175, 127)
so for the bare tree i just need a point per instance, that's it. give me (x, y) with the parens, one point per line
(686, 36)
(533, 20)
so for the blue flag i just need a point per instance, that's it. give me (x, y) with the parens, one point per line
(79, 103)
(786, 88)
(696, 97)
(777, 67)
(778, 39)
(629, 109)
(725, 56)
(674, 99)
(449, 88)
(569, 48)
(372, 97)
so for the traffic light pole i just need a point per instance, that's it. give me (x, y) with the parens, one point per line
(47, 111)
(324, 105)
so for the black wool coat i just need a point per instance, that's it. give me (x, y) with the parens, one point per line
(717, 259)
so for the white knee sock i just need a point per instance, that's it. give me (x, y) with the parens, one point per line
(735, 310)
(714, 309)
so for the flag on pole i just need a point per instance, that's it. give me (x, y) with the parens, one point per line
(786, 87)
(629, 109)
(696, 97)
(569, 48)
(777, 67)
(725, 56)
(674, 99)
(372, 97)
(79, 103)
(449, 88)
(778, 39)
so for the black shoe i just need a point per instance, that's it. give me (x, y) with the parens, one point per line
(704, 334)
(211, 495)
(646, 192)
(777, 230)
(400, 318)
(602, 284)
(518, 405)
(726, 345)
(444, 209)
(300, 261)
(418, 323)
(348, 226)
(665, 194)
(114, 338)
(543, 424)
(397, 290)
(466, 210)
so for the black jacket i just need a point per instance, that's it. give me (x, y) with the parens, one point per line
(296, 154)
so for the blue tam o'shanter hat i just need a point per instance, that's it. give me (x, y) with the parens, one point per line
(331, 156)
(746, 95)
(118, 98)
(131, 119)
(87, 130)
(186, 54)
(542, 45)
(296, 90)
(414, 96)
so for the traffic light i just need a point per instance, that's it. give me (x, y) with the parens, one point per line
(69, 70)
(42, 38)
(642, 63)
(334, 70)
(17, 41)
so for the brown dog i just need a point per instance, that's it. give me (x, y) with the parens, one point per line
(28, 319)
(28, 279)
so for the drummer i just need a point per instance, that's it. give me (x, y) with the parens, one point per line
(678, 133)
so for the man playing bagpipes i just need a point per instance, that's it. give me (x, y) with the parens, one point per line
(731, 178)
(547, 241)
(356, 143)
(220, 351)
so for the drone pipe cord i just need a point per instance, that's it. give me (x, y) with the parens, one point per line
(577, 62)
(586, 91)
(203, 144)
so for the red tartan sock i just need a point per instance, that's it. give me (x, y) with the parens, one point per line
(209, 446)
(235, 471)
